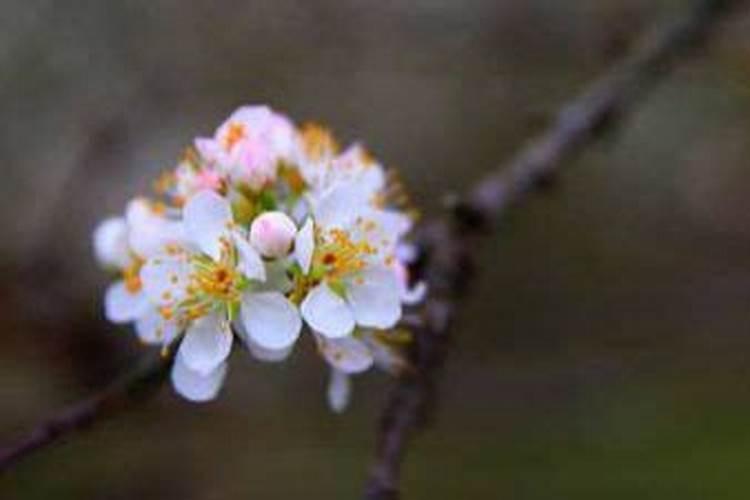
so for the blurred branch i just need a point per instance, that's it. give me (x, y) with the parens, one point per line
(134, 386)
(447, 245)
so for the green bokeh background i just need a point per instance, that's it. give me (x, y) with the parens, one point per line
(604, 352)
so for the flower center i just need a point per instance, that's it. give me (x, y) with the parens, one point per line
(215, 281)
(213, 284)
(338, 257)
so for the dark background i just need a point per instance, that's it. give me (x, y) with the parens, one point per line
(604, 353)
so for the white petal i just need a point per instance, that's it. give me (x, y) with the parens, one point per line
(138, 212)
(375, 298)
(382, 229)
(111, 243)
(149, 232)
(195, 386)
(250, 264)
(250, 115)
(268, 355)
(415, 294)
(348, 354)
(406, 253)
(206, 344)
(208, 148)
(208, 218)
(339, 391)
(271, 321)
(409, 295)
(354, 166)
(300, 210)
(372, 179)
(165, 279)
(340, 205)
(277, 279)
(327, 313)
(258, 352)
(122, 306)
(152, 328)
(393, 225)
(304, 246)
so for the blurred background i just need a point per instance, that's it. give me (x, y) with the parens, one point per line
(605, 350)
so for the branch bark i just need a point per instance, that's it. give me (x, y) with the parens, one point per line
(445, 258)
(132, 387)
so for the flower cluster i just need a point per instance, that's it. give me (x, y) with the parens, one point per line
(262, 229)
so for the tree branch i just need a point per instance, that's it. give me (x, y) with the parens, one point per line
(134, 386)
(444, 245)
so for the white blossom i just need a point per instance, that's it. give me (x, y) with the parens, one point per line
(263, 228)
(215, 280)
(350, 282)
(249, 145)
(122, 244)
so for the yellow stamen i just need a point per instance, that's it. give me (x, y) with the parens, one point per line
(235, 134)
(158, 208)
(341, 256)
(166, 312)
(131, 275)
(318, 141)
(214, 281)
(293, 178)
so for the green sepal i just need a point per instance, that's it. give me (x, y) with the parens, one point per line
(295, 270)
(267, 201)
(243, 209)
(337, 286)
(243, 284)
(318, 272)
(233, 311)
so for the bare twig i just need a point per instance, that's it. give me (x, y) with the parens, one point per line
(444, 243)
(134, 386)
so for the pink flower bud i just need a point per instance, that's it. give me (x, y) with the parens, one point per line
(272, 234)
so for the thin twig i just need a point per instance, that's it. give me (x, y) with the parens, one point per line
(134, 386)
(445, 244)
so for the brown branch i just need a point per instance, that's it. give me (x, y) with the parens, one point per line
(445, 244)
(134, 386)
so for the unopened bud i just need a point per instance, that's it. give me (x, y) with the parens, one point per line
(272, 234)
